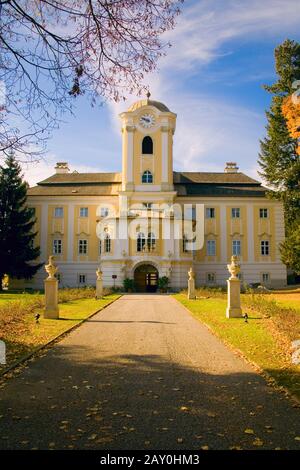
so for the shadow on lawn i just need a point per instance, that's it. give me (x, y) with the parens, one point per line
(68, 398)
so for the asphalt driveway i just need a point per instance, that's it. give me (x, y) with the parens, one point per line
(143, 374)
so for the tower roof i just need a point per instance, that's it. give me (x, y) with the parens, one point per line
(156, 104)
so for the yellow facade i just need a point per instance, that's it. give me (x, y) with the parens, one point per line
(237, 218)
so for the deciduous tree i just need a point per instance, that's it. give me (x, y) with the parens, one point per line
(53, 51)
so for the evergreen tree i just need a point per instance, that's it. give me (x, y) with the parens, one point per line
(17, 252)
(278, 159)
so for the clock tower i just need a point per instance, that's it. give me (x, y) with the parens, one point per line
(147, 147)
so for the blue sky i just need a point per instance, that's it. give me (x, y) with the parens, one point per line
(222, 53)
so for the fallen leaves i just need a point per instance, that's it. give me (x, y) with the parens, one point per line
(258, 442)
(249, 431)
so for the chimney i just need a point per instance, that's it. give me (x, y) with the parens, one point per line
(231, 167)
(62, 167)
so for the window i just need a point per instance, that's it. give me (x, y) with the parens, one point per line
(147, 205)
(58, 212)
(236, 247)
(84, 212)
(151, 241)
(140, 242)
(147, 177)
(82, 278)
(190, 213)
(57, 247)
(147, 145)
(264, 247)
(263, 213)
(104, 211)
(82, 247)
(210, 212)
(210, 278)
(107, 243)
(265, 277)
(211, 248)
(184, 244)
(235, 213)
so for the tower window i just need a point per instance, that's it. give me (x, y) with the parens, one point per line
(147, 177)
(151, 241)
(147, 145)
(140, 242)
(107, 243)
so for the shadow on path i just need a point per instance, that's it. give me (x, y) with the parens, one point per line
(66, 399)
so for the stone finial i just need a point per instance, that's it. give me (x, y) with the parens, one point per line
(50, 268)
(234, 267)
(99, 274)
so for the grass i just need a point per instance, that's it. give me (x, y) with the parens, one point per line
(261, 340)
(23, 335)
(9, 296)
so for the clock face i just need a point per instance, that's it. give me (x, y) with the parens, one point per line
(147, 120)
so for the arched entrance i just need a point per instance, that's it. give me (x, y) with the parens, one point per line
(145, 278)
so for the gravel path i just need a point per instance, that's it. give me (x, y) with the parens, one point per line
(143, 374)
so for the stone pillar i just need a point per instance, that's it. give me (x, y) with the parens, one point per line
(191, 285)
(2, 353)
(51, 291)
(99, 284)
(233, 299)
(51, 298)
(233, 290)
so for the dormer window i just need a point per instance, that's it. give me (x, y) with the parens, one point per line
(147, 145)
(147, 177)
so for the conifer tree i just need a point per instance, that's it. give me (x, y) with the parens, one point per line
(279, 159)
(17, 250)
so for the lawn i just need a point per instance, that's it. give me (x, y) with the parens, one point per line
(23, 335)
(287, 299)
(8, 296)
(259, 340)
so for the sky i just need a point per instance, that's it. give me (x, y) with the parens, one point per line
(212, 77)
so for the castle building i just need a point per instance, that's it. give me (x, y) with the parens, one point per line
(83, 218)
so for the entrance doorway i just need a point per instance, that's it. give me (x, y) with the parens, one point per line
(146, 278)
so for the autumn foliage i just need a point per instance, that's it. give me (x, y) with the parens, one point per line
(291, 112)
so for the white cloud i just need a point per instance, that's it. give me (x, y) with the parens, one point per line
(211, 131)
(206, 26)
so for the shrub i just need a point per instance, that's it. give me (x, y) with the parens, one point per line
(163, 283)
(128, 284)
(76, 293)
